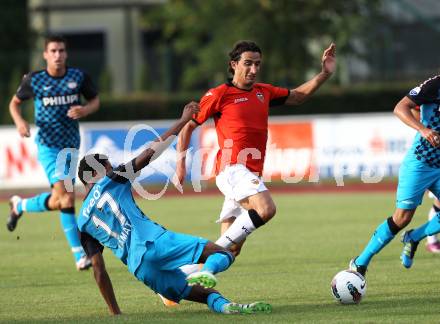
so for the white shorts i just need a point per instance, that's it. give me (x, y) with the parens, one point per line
(236, 183)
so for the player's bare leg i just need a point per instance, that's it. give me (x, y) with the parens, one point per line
(258, 210)
(383, 234)
(60, 197)
(63, 200)
(39, 203)
(262, 203)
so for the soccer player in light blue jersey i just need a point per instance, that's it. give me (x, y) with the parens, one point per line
(420, 171)
(110, 218)
(56, 92)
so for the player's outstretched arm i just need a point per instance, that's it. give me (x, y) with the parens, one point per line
(181, 147)
(15, 111)
(158, 146)
(302, 93)
(404, 111)
(104, 283)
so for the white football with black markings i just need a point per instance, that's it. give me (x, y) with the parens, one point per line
(349, 287)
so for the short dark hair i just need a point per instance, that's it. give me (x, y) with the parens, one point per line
(90, 163)
(239, 48)
(54, 38)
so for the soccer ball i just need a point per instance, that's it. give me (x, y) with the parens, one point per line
(348, 287)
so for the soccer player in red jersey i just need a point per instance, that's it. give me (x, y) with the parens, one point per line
(240, 110)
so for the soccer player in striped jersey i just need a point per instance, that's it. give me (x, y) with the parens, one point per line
(420, 171)
(56, 92)
(432, 242)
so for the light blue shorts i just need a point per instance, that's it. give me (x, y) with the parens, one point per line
(58, 164)
(415, 177)
(160, 265)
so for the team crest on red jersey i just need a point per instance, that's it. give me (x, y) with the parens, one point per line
(260, 96)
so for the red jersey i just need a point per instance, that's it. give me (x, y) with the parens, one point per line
(241, 121)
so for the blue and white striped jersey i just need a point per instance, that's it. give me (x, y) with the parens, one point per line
(53, 97)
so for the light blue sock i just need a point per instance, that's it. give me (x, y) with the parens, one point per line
(68, 223)
(36, 204)
(216, 302)
(381, 237)
(429, 228)
(218, 262)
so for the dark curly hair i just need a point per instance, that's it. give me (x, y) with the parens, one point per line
(90, 163)
(239, 48)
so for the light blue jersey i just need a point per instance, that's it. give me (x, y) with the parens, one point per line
(53, 97)
(110, 215)
(420, 170)
(427, 96)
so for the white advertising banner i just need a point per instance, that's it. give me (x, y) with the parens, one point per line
(368, 146)
(19, 167)
(121, 141)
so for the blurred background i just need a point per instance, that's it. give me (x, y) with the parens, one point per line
(150, 57)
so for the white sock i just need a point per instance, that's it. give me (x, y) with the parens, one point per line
(190, 268)
(241, 228)
(23, 203)
(433, 238)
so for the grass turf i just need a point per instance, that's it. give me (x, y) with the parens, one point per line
(288, 263)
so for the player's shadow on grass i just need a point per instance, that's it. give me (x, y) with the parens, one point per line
(157, 315)
(412, 306)
(378, 309)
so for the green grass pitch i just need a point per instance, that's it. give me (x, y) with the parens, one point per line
(288, 263)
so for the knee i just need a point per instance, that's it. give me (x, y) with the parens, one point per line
(66, 200)
(267, 212)
(54, 201)
(402, 219)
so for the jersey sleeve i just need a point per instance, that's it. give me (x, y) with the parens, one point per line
(427, 92)
(278, 95)
(90, 245)
(208, 107)
(25, 91)
(88, 88)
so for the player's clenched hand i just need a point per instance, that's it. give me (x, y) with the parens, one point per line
(329, 59)
(431, 136)
(189, 110)
(77, 112)
(23, 129)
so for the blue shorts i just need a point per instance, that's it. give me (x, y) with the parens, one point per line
(58, 164)
(160, 264)
(415, 177)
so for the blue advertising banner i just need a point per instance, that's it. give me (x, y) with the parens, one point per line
(121, 144)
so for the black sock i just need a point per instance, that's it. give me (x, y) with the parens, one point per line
(393, 226)
(255, 218)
